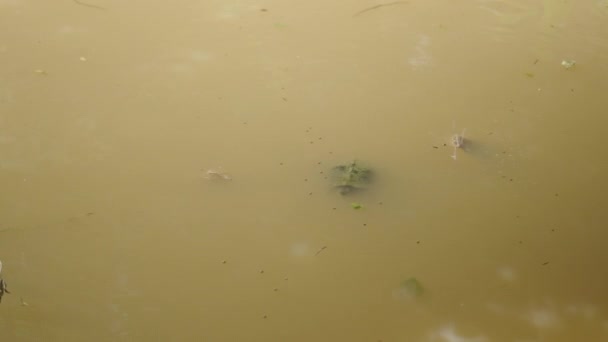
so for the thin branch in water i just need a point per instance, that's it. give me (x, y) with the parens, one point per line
(379, 6)
(320, 250)
(78, 2)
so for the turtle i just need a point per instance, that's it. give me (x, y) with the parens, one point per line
(350, 177)
(3, 289)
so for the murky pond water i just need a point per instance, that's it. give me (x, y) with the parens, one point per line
(165, 170)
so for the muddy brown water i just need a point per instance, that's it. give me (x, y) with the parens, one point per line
(110, 118)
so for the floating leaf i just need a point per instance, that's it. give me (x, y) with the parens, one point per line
(356, 206)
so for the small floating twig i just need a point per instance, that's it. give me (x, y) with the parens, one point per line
(78, 2)
(320, 250)
(379, 6)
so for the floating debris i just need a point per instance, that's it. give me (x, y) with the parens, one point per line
(568, 64)
(214, 174)
(78, 2)
(457, 142)
(350, 177)
(356, 206)
(379, 6)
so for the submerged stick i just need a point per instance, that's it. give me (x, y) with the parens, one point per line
(379, 6)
